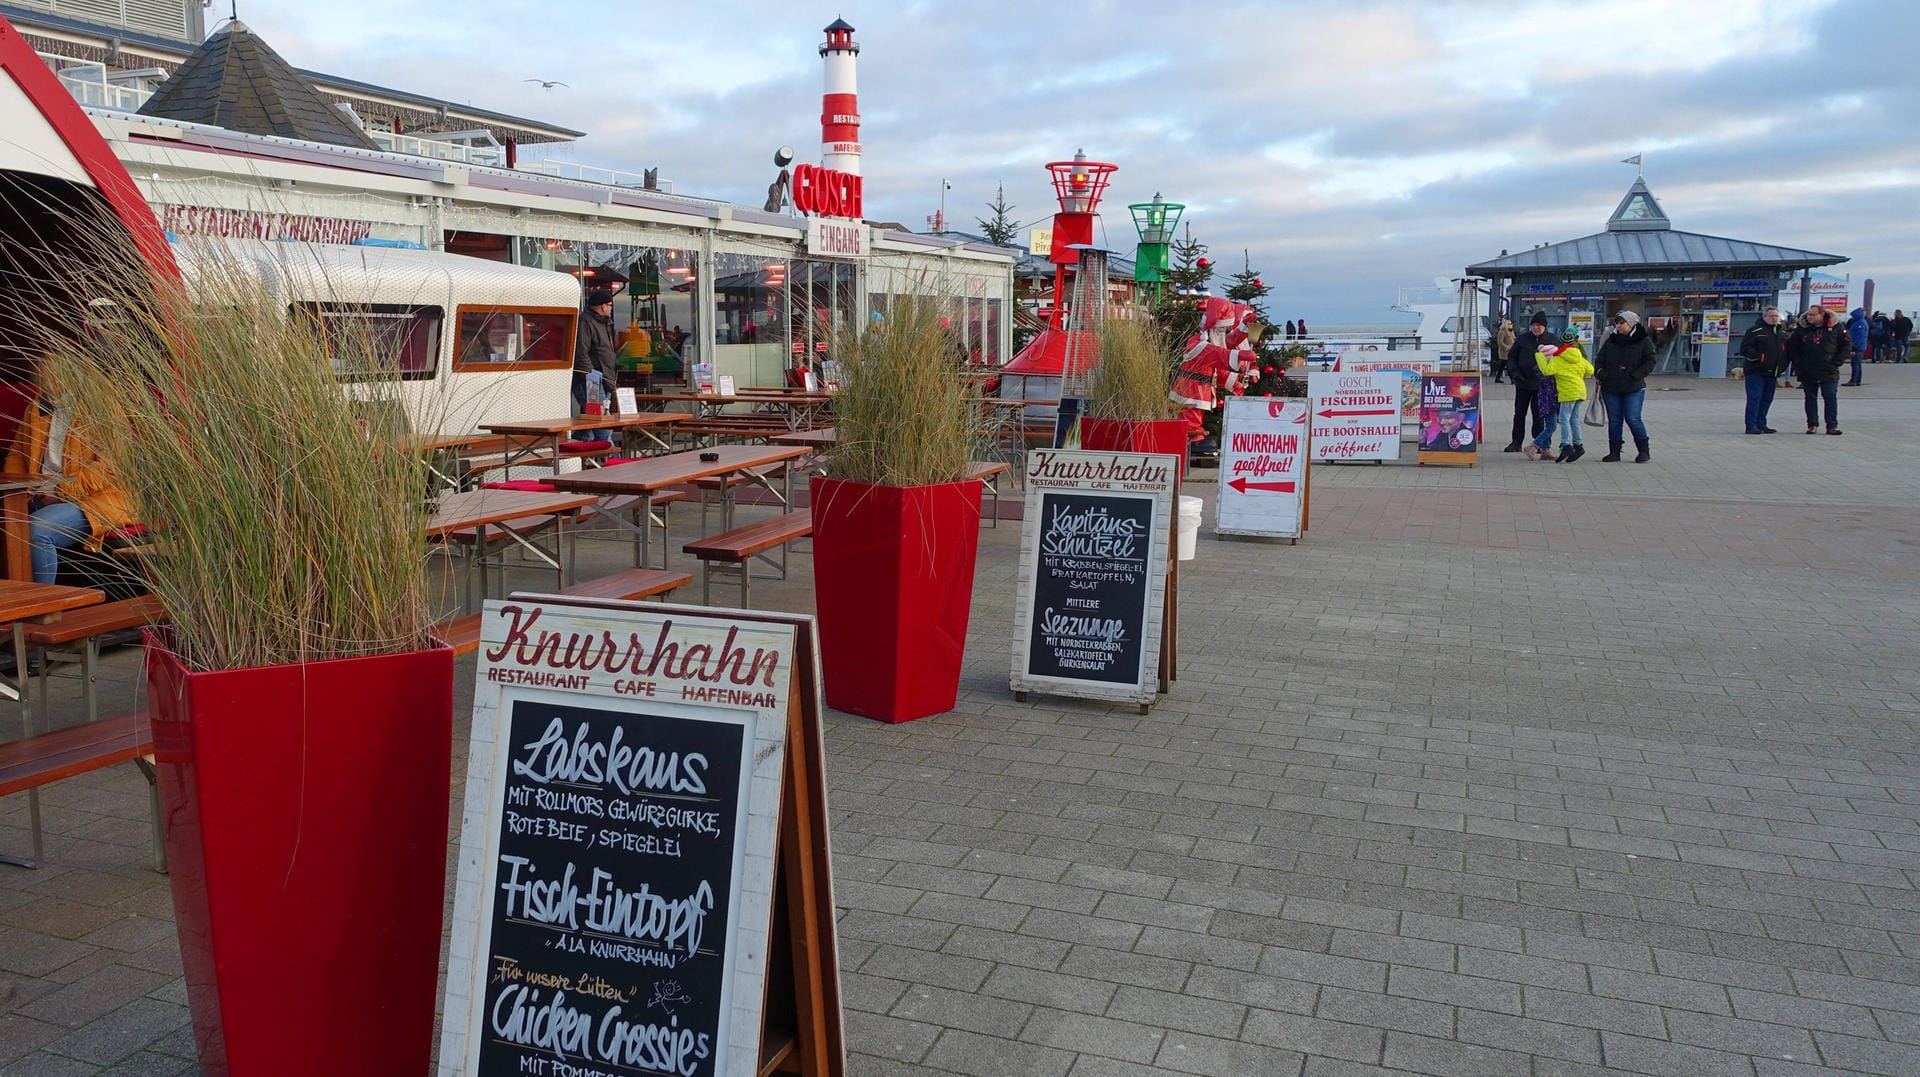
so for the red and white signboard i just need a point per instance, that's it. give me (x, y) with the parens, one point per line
(1263, 467)
(1355, 416)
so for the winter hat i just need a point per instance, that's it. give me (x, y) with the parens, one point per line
(599, 297)
(1539, 318)
(1570, 337)
(1629, 317)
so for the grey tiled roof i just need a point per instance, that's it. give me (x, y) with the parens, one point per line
(1664, 248)
(236, 81)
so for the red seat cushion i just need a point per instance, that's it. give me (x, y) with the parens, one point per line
(585, 446)
(519, 484)
(127, 533)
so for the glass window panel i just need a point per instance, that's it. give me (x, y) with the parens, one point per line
(492, 338)
(368, 342)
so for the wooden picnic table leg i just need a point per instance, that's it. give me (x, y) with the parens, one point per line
(27, 725)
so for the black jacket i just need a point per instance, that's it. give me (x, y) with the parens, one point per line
(1523, 362)
(1624, 362)
(1817, 352)
(1763, 347)
(593, 347)
(1878, 326)
(1902, 328)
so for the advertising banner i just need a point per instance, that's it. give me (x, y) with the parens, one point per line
(1355, 416)
(1581, 322)
(1715, 325)
(1263, 467)
(1449, 418)
(1410, 365)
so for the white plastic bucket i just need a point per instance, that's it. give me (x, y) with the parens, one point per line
(1189, 525)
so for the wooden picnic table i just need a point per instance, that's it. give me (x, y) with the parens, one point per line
(799, 407)
(485, 509)
(525, 436)
(646, 478)
(23, 602)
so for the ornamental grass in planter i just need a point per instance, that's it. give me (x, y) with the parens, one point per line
(896, 522)
(302, 713)
(1127, 405)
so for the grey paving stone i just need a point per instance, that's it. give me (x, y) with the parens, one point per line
(1314, 1036)
(116, 1035)
(1126, 1040)
(1868, 1056)
(1385, 1011)
(1524, 1036)
(1079, 993)
(1636, 1054)
(960, 1009)
(1187, 1052)
(1446, 1058)
(991, 1056)
(1178, 1010)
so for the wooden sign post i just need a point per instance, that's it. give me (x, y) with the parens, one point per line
(1094, 567)
(642, 881)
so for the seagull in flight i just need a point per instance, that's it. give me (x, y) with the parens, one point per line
(546, 84)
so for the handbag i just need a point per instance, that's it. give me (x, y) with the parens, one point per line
(1593, 417)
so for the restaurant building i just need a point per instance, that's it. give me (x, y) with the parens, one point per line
(1642, 263)
(744, 289)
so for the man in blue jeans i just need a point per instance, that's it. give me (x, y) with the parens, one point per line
(1761, 352)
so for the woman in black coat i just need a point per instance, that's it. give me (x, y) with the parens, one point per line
(1817, 350)
(1621, 368)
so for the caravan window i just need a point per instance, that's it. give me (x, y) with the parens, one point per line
(392, 337)
(526, 338)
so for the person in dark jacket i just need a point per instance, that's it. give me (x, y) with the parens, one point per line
(1879, 328)
(1857, 339)
(1523, 366)
(1901, 330)
(594, 358)
(1817, 349)
(1761, 352)
(1625, 360)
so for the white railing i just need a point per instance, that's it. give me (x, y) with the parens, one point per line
(88, 83)
(592, 174)
(489, 156)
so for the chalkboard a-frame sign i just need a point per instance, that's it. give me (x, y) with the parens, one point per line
(643, 884)
(1093, 577)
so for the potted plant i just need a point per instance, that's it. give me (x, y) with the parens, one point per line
(1127, 404)
(896, 521)
(301, 710)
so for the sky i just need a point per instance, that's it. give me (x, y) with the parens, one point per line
(1348, 150)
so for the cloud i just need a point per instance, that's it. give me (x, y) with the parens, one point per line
(1347, 151)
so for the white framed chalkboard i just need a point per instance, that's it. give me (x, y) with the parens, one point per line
(614, 887)
(1092, 588)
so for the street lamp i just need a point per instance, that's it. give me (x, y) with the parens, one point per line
(1155, 221)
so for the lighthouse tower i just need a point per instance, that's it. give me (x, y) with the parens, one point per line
(839, 102)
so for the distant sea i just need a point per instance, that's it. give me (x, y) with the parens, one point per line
(1359, 329)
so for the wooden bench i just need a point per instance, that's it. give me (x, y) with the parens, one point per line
(463, 633)
(85, 626)
(744, 431)
(734, 550)
(989, 472)
(32, 762)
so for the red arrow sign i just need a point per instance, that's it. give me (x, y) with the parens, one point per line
(1329, 413)
(1242, 486)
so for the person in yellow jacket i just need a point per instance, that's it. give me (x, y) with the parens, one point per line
(1569, 368)
(86, 501)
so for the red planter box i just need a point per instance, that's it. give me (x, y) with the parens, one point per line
(893, 588)
(306, 815)
(1167, 436)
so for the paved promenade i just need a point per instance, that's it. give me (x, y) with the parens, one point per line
(1524, 769)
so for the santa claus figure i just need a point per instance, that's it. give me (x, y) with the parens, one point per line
(1219, 355)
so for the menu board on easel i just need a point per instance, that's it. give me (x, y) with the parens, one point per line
(619, 901)
(1089, 615)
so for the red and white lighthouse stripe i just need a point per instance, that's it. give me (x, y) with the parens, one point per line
(839, 103)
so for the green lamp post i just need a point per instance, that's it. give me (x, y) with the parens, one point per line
(1155, 221)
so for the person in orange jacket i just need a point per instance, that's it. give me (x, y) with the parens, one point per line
(85, 501)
